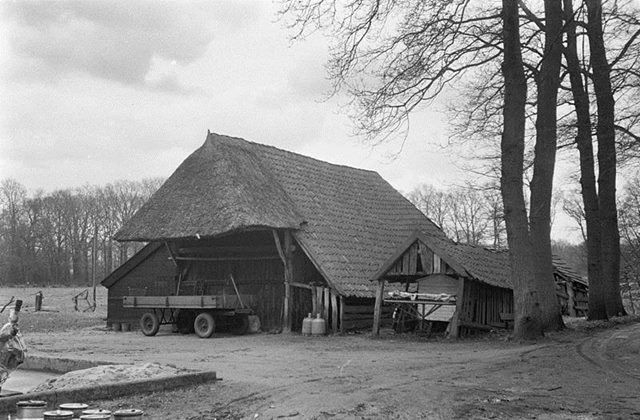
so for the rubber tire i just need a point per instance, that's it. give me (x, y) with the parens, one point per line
(240, 324)
(204, 325)
(184, 321)
(149, 324)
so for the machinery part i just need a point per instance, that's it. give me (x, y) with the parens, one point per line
(204, 325)
(184, 321)
(149, 324)
(240, 324)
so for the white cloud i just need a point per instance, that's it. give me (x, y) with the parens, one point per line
(112, 40)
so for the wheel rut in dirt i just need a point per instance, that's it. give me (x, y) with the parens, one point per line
(604, 351)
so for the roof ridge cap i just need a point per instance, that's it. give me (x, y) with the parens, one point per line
(213, 137)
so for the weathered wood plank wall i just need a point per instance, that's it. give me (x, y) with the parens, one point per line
(155, 277)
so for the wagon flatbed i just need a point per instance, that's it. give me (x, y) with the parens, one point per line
(199, 314)
(183, 302)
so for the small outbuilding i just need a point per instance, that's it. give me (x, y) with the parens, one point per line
(464, 287)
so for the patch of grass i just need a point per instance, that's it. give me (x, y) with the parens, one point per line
(58, 312)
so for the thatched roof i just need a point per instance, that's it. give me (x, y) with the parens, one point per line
(219, 188)
(347, 220)
(476, 262)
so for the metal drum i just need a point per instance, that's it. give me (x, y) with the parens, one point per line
(95, 417)
(97, 411)
(30, 409)
(318, 326)
(306, 325)
(58, 415)
(75, 408)
(131, 413)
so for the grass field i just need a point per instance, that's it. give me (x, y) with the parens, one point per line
(58, 308)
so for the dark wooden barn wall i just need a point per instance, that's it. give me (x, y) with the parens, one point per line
(261, 280)
(482, 305)
(251, 258)
(358, 314)
(260, 275)
(153, 277)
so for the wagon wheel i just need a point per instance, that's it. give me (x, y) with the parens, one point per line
(240, 324)
(149, 324)
(204, 325)
(184, 322)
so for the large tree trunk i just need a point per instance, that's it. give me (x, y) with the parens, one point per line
(548, 81)
(610, 254)
(597, 308)
(527, 312)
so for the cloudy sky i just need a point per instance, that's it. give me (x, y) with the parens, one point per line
(98, 91)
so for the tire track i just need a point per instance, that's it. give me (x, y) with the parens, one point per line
(594, 351)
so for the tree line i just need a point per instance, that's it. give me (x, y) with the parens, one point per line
(65, 237)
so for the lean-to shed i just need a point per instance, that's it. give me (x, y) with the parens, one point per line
(297, 234)
(468, 286)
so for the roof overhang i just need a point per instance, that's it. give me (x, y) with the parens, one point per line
(428, 241)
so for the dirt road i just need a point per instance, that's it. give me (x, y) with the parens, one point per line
(589, 374)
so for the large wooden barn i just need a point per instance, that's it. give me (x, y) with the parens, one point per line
(469, 287)
(295, 234)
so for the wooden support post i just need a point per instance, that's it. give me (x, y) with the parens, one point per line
(314, 301)
(454, 324)
(319, 300)
(341, 314)
(288, 278)
(334, 312)
(571, 302)
(377, 310)
(325, 308)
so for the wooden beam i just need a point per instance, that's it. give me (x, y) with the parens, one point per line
(334, 312)
(247, 258)
(377, 309)
(172, 257)
(300, 285)
(341, 314)
(213, 250)
(571, 300)
(314, 300)
(413, 258)
(319, 300)
(276, 238)
(288, 278)
(456, 320)
(325, 308)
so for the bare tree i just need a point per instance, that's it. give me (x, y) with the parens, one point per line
(477, 115)
(593, 234)
(435, 204)
(605, 131)
(48, 238)
(629, 216)
(393, 57)
(12, 196)
(529, 321)
(469, 214)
